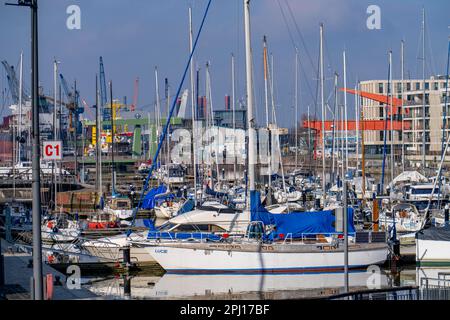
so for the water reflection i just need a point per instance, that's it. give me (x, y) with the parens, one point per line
(171, 286)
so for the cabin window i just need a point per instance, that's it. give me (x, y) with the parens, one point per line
(122, 204)
(193, 228)
(424, 191)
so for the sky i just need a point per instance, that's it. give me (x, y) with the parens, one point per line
(135, 36)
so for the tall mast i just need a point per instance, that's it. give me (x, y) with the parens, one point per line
(334, 126)
(402, 55)
(98, 145)
(274, 119)
(158, 106)
(233, 104)
(424, 140)
(76, 133)
(363, 164)
(167, 91)
(357, 125)
(391, 89)
(194, 145)
(266, 91)
(296, 108)
(444, 127)
(266, 102)
(113, 114)
(55, 131)
(343, 146)
(323, 113)
(345, 111)
(19, 123)
(210, 112)
(250, 118)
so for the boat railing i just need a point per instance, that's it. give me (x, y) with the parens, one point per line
(309, 237)
(180, 236)
(288, 237)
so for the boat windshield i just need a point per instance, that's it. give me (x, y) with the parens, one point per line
(167, 226)
(122, 204)
(424, 190)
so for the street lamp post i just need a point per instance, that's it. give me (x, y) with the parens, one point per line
(37, 289)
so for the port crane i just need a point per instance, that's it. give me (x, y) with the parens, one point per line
(74, 106)
(13, 83)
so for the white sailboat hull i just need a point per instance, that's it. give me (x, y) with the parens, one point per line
(433, 252)
(233, 258)
(110, 249)
(63, 235)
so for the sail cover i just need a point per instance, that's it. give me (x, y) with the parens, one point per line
(297, 224)
(435, 234)
(149, 199)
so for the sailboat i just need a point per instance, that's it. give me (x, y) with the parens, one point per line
(269, 245)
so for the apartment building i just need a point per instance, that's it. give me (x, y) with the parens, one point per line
(421, 119)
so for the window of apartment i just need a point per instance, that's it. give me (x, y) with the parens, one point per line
(436, 86)
(417, 85)
(408, 86)
(381, 135)
(443, 84)
(381, 112)
(399, 87)
(427, 86)
(380, 88)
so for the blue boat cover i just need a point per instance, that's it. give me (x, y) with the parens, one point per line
(297, 223)
(149, 199)
(186, 207)
(216, 194)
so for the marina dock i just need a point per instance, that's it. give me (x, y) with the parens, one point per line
(18, 272)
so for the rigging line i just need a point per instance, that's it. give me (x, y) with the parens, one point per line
(296, 49)
(432, 66)
(388, 91)
(166, 126)
(299, 32)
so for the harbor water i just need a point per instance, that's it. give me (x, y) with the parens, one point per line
(260, 287)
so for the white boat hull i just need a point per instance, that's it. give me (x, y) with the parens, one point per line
(61, 236)
(433, 252)
(166, 212)
(110, 249)
(210, 259)
(114, 253)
